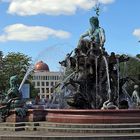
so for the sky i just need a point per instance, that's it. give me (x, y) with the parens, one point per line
(49, 29)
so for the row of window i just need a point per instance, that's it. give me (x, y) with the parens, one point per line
(42, 90)
(43, 96)
(46, 77)
(38, 83)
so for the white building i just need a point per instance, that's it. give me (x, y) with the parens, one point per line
(44, 80)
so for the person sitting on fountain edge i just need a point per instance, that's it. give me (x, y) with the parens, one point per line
(95, 33)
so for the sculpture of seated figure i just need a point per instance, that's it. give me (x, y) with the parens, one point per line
(95, 33)
(136, 96)
(14, 94)
(12, 100)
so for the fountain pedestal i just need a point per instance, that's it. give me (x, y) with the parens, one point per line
(93, 116)
(77, 116)
(33, 115)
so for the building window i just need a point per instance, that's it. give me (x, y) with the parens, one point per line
(46, 77)
(53, 77)
(33, 83)
(38, 83)
(42, 83)
(43, 96)
(52, 83)
(50, 77)
(43, 90)
(38, 90)
(47, 90)
(51, 90)
(47, 83)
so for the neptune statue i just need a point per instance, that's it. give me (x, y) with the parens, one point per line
(95, 33)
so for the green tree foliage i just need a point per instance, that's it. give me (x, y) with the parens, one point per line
(13, 64)
(2, 76)
(134, 67)
(131, 68)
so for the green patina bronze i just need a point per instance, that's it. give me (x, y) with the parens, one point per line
(95, 33)
(12, 100)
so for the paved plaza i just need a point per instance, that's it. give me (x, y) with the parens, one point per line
(41, 135)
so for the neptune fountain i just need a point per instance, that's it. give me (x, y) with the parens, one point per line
(94, 81)
(92, 84)
(93, 89)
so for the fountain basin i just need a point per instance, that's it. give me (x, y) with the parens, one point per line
(33, 115)
(93, 116)
(78, 116)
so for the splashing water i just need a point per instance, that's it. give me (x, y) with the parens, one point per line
(69, 76)
(41, 54)
(108, 79)
(118, 79)
(31, 67)
(96, 69)
(125, 69)
(61, 96)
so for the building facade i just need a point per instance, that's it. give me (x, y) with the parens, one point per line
(44, 80)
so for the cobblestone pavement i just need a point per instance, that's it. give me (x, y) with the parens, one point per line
(50, 134)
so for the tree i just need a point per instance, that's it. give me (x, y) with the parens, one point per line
(132, 67)
(2, 76)
(14, 64)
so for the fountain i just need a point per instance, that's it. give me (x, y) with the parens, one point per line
(94, 74)
(92, 90)
(97, 91)
(93, 99)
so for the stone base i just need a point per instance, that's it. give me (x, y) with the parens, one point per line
(33, 115)
(77, 116)
(93, 116)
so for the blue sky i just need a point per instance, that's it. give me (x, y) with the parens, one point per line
(48, 29)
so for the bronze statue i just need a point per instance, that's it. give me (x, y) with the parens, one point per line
(96, 80)
(12, 100)
(95, 33)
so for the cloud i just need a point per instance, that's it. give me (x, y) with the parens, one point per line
(21, 32)
(51, 7)
(106, 1)
(136, 33)
(5, 1)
